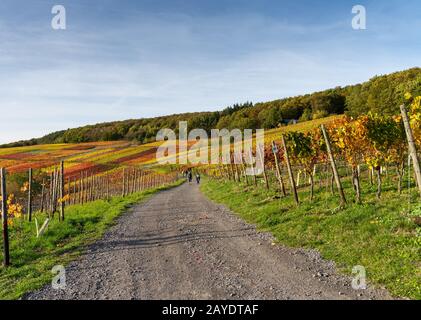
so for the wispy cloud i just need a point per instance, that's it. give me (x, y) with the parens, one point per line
(156, 62)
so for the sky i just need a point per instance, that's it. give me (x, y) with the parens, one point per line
(122, 59)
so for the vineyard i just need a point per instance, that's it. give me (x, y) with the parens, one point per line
(348, 188)
(89, 172)
(206, 153)
(95, 156)
(56, 197)
(369, 145)
(36, 183)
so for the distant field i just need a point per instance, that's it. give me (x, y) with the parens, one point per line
(105, 156)
(275, 134)
(77, 157)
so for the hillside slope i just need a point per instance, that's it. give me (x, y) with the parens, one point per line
(103, 156)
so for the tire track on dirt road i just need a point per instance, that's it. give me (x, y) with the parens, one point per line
(180, 245)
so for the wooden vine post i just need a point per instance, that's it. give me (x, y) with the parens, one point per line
(69, 191)
(74, 191)
(42, 195)
(243, 162)
(52, 190)
(6, 255)
(228, 166)
(224, 171)
(252, 167)
(55, 190)
(85, 187)
(107, 181)
(62, 190)
(262, 160)
(142, 181)
(278, 168)
(123, 193)
(412, 148)
(290, 173)
(91, 187)
(333, 164)
(134, 180)
(237, 172)
(30, 195)
(81, 188)
(231, 166)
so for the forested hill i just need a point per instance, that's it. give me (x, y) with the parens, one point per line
(381, 94)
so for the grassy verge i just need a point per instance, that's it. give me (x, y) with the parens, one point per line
(379, 235)
(33, 258)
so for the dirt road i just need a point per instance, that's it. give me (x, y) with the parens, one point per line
(179, 245)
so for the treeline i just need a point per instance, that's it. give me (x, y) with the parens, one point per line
(381, 94)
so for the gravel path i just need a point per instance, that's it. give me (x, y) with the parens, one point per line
(179, 245)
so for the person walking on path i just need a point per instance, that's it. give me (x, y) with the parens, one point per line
(190, 176)
(198, 178)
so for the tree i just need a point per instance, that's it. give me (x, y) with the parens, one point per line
(270, 118)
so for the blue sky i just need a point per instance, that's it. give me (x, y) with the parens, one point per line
(121, 59)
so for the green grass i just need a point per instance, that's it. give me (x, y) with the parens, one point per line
(33, 258)
(379, 235)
